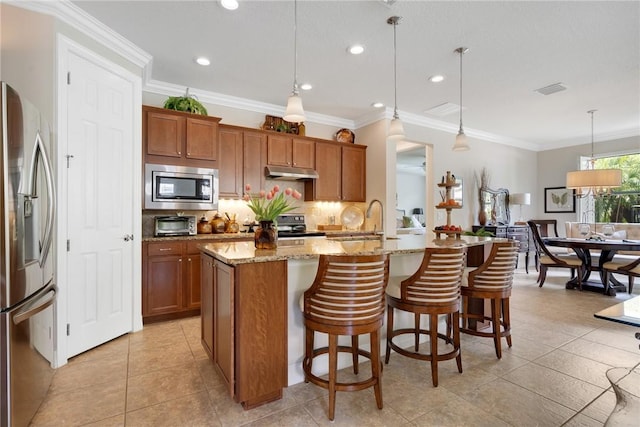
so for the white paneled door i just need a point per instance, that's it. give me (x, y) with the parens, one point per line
(100, 203)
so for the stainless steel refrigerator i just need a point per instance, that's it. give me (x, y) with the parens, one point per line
(27, 288)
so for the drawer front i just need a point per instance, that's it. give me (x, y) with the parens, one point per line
(518, 230)
(164, 248)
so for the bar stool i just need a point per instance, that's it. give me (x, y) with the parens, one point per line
(434, 289)
(492, 280)
(346, 298)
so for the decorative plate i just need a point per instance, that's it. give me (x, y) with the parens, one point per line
(352, 218)
(345, 135)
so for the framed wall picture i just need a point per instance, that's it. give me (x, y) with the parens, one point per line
(559, 200)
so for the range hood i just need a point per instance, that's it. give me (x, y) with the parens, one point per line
(289, 173)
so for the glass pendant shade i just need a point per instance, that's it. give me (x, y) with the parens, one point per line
(294, 112)
(461, 142)
(396, 130)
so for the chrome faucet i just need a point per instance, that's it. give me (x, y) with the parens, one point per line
(382, 236)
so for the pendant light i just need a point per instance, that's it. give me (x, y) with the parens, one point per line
(294, 112)
(598, 182)
(461, 139)
(396, 130)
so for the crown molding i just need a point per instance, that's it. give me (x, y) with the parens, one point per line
(170, 89)
(77, 18)
(597, 139)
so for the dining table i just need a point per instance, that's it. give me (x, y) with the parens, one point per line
(583, 249)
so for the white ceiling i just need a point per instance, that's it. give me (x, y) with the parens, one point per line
(515, 47)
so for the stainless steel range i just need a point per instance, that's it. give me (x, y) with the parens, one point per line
(293, 226)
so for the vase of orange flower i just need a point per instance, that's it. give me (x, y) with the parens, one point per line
(267, 206)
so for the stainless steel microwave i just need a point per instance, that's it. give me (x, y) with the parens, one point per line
(180, 187)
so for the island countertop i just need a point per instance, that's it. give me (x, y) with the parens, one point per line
(233, 253)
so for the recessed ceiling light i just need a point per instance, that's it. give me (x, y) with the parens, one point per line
(436, 79)
(306, 86)
(203, 61)
(377, 105)
(229, 4)
(356, 49)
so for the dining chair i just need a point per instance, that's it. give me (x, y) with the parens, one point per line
(629, 268)
(548, 259)
(433, 290)
(492, 280)
(548, 228)
(347, 298)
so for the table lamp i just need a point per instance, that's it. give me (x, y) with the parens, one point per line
(418, 212)
(520, 199)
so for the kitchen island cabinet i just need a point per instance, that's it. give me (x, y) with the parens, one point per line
(261, 308)
(244, 327)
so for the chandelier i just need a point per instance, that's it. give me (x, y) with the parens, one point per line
(597, 182)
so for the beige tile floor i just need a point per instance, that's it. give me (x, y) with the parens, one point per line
(554, 375)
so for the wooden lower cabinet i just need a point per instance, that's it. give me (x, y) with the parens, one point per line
(171, 279)
(247, 305)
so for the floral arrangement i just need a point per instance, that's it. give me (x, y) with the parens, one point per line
(268, 205)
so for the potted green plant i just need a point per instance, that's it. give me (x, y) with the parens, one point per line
(187, 103)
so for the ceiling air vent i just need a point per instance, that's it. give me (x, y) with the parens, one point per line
(443, 109)
(548, 90)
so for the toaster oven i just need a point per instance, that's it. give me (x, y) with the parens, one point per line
(175, 225)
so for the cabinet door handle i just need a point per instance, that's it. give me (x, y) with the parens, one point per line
(180, 260)
(164, 249)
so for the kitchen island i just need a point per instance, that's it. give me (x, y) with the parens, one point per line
(252, 325)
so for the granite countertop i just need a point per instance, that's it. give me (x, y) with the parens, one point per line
(218, 236)
(233, 253)
(249, 236)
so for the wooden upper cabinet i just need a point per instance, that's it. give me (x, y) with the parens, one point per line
(328, 186)
(254, 160)
(285, 150)
(279, 150)
(230, 162)
(178, 138)
(303, 153)
(342, 173)
(201, 139)
(164, 135)
(354, 173)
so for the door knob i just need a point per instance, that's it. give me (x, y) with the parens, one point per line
(128, 237)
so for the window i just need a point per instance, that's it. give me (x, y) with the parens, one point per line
(623, 205)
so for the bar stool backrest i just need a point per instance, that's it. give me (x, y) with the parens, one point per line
(496, 273)
(348, 290)
(438, 278)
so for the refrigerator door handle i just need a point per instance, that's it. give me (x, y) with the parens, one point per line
(28, 311)
(39, 149)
